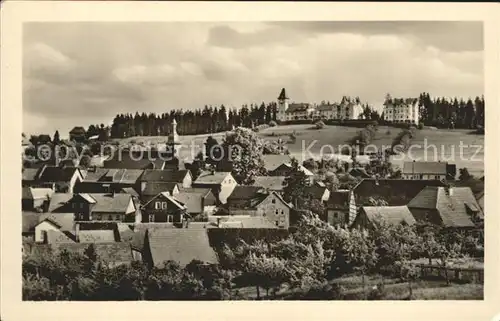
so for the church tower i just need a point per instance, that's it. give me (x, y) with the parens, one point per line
(174, 143)
(282, 105)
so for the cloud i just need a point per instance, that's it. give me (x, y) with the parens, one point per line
(157, 67)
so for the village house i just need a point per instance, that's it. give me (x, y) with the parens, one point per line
(109, 180)
(60, 179)
(428, 170)
(87, 207)
(33, 199)
(254, 201)
(178, 245)
(450, 207)
(347, 109)
(271, 161)
(197, 201)
(370, 215)
(286, 170)
(395, 192)
(62, 224)
(341, 208)
(319, 193)
(154, 182)
(271, 183)
(133, 159)
(164, 208)
(221, 184)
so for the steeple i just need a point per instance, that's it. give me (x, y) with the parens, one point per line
(283, 95)
(173, 138)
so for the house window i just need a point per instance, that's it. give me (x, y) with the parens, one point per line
(277, 223)
(98, 217)
(282, 212)
(436, 177)
(276, 212)
(118, 218)
(110, 217)
(161, 205)
(81, 205)
(73, 205)
(170, 218)
(273, 201)
(151, 218)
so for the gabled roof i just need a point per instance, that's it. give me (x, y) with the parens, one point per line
(170, 198)
(451, 206)
(245, 192)
(391, 214)
(57, 174)
(130, 191)
(209, 178)
(125, 161)
(273, 183)
(339, 200)
(111, 203)
(316, 192)
(180, 245)
(394, 191)
(172, 176)
(301, 168)
(298, 107)
(31, 193)
(271, 161)
(57, 237)
(95, 174)
(201, 190)
(155, 188)
(433, 168)
(192, 200)
(59, 203)
(63, 221)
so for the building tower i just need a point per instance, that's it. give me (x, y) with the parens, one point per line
(282, 105)
(174, 143)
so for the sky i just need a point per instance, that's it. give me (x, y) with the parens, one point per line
(82, 73)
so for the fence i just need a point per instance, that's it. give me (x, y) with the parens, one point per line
(456, 274)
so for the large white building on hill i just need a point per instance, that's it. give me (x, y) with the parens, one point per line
(398, 110)
(347, 109)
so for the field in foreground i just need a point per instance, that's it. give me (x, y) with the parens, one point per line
(394, 289)
(429, 144)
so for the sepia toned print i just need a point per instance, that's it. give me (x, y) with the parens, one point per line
(253, 161)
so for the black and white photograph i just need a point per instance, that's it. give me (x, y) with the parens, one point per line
(297, 160)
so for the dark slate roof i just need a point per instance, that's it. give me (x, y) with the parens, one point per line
(127, 162)
(339, 200)
(316, 192)
(433, 168)
(394, 191)
(272, 183)
(298, 107)
(283, 94)
(391, 214)
(180, 245)
(95, 174)
(244, 192)
(451, 206)
(156, 175)
(58, 237)
(59, 203)
(271, 162)
(155, 188)
(192, 200)
(57, 174)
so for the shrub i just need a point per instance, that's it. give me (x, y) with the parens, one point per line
(420, 126)
(272, 123)
(377, 292)
(319, 125)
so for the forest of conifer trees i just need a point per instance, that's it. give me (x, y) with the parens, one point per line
(440, 112)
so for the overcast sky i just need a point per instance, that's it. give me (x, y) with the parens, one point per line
(83, 73)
